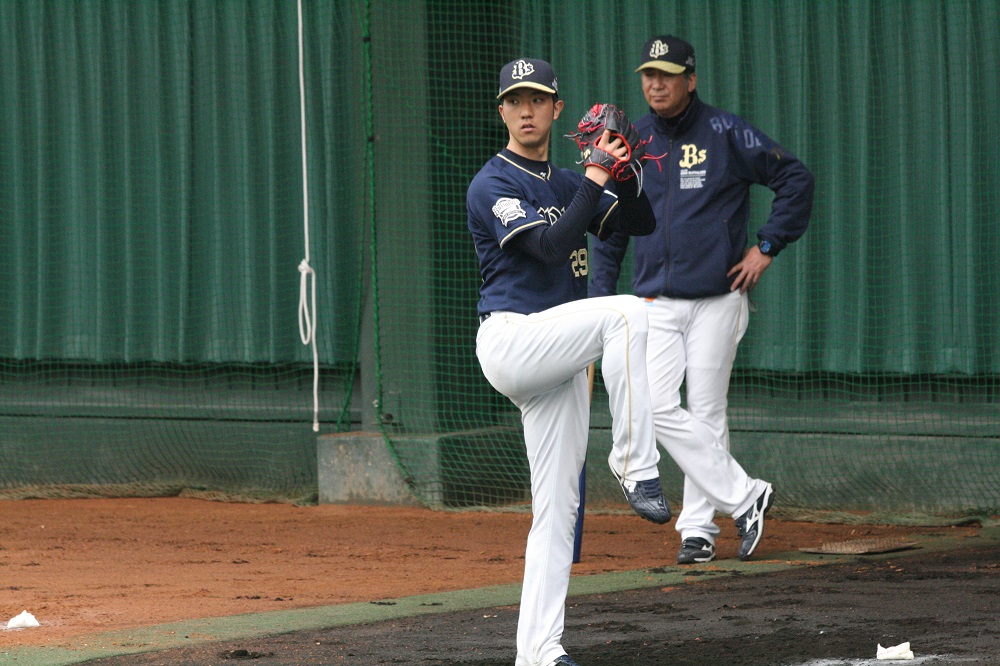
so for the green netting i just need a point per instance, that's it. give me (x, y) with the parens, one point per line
(151, 226)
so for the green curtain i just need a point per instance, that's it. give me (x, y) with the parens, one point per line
(151, 202)
(151, 207)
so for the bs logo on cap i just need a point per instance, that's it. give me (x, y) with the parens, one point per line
(528, 73)
(668, 54)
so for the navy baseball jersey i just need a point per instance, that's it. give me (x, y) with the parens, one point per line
(508, 196)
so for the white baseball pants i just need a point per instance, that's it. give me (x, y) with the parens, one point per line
(540, 362)
(694, 341)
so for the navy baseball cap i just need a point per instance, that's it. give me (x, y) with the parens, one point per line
(668, 54)
(528, 73)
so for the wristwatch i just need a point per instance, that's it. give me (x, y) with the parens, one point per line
(765, 247)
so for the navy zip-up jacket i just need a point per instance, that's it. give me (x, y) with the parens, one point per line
(699, 190)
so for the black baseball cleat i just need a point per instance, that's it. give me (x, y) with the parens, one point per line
(695, 550)
(564, 661)
(750, 526)
(645, 497)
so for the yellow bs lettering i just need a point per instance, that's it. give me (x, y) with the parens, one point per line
(692, 155)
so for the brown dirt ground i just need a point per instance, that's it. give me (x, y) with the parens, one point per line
(92, 565)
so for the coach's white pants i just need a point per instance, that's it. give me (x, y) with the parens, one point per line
(540, 362)
(694, 341)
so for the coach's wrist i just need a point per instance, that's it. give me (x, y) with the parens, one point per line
(767, 248)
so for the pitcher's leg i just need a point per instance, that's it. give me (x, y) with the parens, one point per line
(634, 455)
(556, 426)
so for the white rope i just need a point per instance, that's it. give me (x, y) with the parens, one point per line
(307, 276)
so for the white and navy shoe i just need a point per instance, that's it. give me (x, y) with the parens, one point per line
(645, 497)
(564, 661)
(695, 550)
(750, 526)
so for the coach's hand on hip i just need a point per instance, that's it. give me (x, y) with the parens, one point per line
(749, 271)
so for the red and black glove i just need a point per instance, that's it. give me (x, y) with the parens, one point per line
(609, 117)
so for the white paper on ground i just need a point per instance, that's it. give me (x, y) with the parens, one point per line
(22, 621)
(901, 651)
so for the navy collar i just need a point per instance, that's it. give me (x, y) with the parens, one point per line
(535, 167)
(685, 120)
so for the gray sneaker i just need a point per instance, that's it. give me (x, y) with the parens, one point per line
(750, 526)
(695, 550)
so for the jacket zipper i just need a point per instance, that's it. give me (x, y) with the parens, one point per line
(666, 214)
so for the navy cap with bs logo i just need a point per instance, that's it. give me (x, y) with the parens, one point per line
(668, 54)
(528, 73)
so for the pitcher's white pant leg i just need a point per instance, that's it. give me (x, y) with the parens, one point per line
(539, 361)
(633, 450)
(556, 426)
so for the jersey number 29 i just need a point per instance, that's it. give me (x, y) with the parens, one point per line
(579, 262)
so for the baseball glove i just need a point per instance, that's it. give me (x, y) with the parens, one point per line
(609, 117)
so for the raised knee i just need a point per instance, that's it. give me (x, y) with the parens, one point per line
(634, 309)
